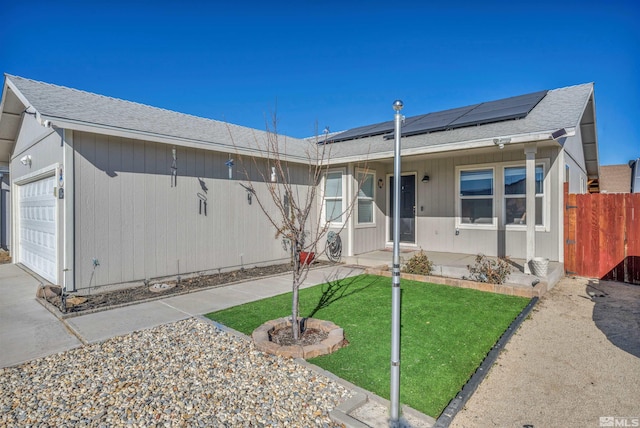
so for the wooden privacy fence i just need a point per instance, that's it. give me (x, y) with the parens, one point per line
(602, 236)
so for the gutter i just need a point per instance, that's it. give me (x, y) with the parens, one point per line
(164, 139)
(463, 145)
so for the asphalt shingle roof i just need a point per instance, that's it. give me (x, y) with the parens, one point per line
(560, 108)
(59, 102)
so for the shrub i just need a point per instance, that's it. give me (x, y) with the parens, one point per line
(488, 270)
(419, 264)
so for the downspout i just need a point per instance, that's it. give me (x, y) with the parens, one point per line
(68, 230)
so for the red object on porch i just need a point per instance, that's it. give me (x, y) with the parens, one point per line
(306, 258)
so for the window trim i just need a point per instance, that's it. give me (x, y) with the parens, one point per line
(372, 223)
(544, 163)
(343, 183)
(494, 219)
(499, 200)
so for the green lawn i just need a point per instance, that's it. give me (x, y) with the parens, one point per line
(446, 332)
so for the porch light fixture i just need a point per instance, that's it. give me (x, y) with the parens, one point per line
(26, 160)
(425, 179)
(395, 281)
(380, 183)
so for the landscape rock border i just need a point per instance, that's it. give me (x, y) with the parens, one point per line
(537, 290)
(332, 343)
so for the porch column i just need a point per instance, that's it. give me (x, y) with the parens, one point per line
(530, 155)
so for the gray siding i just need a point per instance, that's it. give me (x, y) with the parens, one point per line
(130, 218)
(574, 159)
(43, 144)
(436, 206)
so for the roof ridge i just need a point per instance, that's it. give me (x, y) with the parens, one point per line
(572, 86)
(122, 100)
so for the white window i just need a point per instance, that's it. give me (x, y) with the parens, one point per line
(365, 197)
(476, 197)
(333, 207)
(515, 190)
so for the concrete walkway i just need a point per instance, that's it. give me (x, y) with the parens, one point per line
(28, 330)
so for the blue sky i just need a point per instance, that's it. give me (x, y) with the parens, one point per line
(333, 63)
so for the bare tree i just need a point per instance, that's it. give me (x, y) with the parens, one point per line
(291, 204)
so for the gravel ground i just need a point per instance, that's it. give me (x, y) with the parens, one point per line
(186, 373)
(576, 360)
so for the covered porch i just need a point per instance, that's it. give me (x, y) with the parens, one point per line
(451, 268)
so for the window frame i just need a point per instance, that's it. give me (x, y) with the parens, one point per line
(372, 198)
(343, 186)
(459, 198)
(545, 196)
(505, 197)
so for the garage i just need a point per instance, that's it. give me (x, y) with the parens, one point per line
(38, 227)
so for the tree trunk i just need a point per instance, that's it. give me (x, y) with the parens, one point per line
(295, 326)
(294, 311)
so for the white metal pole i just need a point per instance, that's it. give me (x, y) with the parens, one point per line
(395, 281)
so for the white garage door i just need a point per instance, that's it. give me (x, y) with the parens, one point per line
(38, 228)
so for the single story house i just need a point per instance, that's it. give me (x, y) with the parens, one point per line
(106, 192)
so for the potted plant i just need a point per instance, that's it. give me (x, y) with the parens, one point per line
(306, 257)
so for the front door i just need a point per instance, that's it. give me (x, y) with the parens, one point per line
(407, 208)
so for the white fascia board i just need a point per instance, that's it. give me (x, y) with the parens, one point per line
(462, 145)
(164, 139)
(586, 102)
(9, 84)
(22, 99)
(4, 94)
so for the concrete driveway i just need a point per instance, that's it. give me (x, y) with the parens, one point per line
(27, 329)
(576, 360)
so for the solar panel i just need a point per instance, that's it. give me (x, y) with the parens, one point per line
(432, 122)
(477, 114)
(496, 111)
(364, 131)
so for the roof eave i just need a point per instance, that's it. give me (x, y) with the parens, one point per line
(590, 148)
(164, 139)
(542, 136)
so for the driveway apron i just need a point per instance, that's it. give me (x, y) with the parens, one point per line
(27, 329)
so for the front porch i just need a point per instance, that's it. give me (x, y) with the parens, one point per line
(450, 268)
